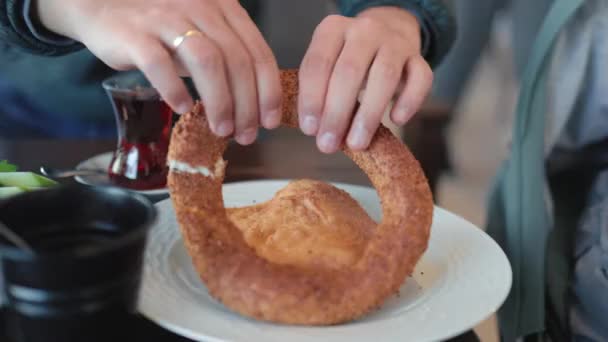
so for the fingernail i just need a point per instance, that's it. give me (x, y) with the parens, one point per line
(272, 119)
(327, 142)
(402, 115)
(184, 108)
(247, 136)
(357, 139)
(225, 128)
(310, 125)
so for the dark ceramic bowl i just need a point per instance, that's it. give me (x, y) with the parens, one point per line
(83, 278)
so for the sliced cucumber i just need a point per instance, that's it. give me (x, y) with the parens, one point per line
(24, 180)
(9, 191)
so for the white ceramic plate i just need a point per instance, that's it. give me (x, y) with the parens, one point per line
(102, 162)
(461, 280)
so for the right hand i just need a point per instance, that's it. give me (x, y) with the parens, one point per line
(233, 69)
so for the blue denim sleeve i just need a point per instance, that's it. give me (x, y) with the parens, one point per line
(436, 22)
(38, 31)
(19, 30)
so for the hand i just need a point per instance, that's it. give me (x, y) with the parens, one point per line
(231, 65)
(376, 50)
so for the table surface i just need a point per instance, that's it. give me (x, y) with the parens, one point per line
(282, 154)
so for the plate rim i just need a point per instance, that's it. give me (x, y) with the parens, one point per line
(438, 210)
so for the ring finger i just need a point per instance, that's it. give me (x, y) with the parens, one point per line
(204, 61)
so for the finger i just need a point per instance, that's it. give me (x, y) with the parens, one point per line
(315, 71)
(265, 65)
(155, 62)
(382, 81)
(205, 63)
(418, 83)
(241, 78)
(344, 86)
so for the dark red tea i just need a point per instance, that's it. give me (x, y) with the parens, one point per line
(144, 128)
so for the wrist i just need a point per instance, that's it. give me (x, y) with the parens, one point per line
(398, 19)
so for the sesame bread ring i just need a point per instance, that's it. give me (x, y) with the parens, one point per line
(255, 287)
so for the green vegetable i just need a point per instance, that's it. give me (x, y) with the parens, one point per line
(24, 180)
(13, 182)
(9, 191)
(6, 167)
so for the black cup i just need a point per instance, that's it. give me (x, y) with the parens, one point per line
(82, 281)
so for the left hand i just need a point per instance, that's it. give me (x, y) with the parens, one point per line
(378, 50)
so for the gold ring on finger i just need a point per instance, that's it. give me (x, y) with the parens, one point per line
(181, 38)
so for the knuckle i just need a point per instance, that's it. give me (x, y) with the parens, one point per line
(406, 43)
(368, 31)
(208, 59)
(238, 10)
(170, 19)
(366, 25)
(240, 63)
(153, 12)
(153, 15)
(239, 57)
(262, 56)
(397, 45)
(349, 67)
(389, 69)
(226, 2)
(332, 20)
(192, 4)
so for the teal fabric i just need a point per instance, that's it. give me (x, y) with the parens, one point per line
(518, 216)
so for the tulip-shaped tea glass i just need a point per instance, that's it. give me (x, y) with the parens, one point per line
(144, 123)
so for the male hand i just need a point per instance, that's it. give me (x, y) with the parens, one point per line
(232, 67)
(377, 51)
